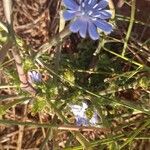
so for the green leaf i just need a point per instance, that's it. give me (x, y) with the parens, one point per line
(2, 110)
(38, 105)
(69, 75)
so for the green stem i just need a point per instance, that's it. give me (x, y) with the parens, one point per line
(125, 58)
(127, 19)
(143, 67)
(11, 104)
(109, 140)
(130, 26)
(54, 41)
(56, 62)
(135, 133)
(46, 139)
(53, 126)
(99, 142)
(12, 97)
(122, 136)
(100, 45)
(3, 26)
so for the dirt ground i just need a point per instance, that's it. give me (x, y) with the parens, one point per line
(36, 22)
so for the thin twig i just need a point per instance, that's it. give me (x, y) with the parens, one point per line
(8, 86)
(21, 129)
(46, 136)
(57, 127)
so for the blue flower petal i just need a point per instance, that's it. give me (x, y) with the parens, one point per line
(93, 31)
(81, 121)
(88, 4)
(103, 25)
(75, 26)
(79, 1)
(71, 4)
(83, 29)
(77, 110)
(88, 15)
(104, 14)
(101, 5)
(34, 76)
(94, 120)
(68, 15)
(80, 115)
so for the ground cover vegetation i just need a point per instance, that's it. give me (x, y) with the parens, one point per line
(74, 74)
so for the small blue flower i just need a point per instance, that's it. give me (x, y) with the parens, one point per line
(88, 16)
(94, 119)
(34, 77)
(80, 115)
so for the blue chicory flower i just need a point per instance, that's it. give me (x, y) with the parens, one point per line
(80, 115)
(34, 76)
(88, 16)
